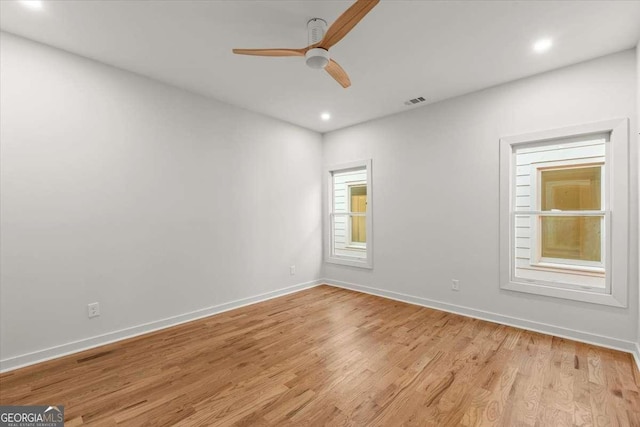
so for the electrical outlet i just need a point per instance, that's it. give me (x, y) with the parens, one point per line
(93, 310)
(455, 285)
(292, 270)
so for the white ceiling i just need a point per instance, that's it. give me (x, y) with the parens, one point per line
(401, 50)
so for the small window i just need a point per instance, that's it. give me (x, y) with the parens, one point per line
(349, 219)
(558, 190)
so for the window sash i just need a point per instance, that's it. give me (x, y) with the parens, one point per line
(564, 262)
(355, 247)
(567, 265)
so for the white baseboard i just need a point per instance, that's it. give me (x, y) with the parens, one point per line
(585, 337)
(23, 360)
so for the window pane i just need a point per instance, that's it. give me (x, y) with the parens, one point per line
(341, 183)
(571, 189)
(341, 245)
(358, 229)
(571, 237)
(358, 204)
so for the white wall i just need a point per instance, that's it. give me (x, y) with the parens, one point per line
(150, 200)
(638, 142)
(436, 167)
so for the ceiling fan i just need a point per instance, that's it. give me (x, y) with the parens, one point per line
(321, 40)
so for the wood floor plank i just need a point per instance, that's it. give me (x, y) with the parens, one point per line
(328, 356)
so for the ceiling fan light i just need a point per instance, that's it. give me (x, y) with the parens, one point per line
(317, 58)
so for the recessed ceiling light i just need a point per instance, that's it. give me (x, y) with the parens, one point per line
(32, 4)
(542, 45)
(325, 116)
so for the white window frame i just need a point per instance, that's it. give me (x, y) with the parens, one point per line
(536, 249)
(617, 207)
(367, 261)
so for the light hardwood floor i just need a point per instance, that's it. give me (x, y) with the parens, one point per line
(328, 356)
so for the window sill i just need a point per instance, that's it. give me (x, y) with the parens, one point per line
(350, 261)
(357, 248)
(568, 269)
(590, 295)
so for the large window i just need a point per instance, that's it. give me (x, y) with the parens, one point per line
(349, 216)
(561, 190)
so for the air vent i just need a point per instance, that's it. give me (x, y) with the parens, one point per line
(415, 101)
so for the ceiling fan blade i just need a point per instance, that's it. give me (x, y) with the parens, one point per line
(346, 22)
(338, 73)
(270, 52)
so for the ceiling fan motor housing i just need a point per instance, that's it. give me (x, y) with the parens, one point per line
(316, 58)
